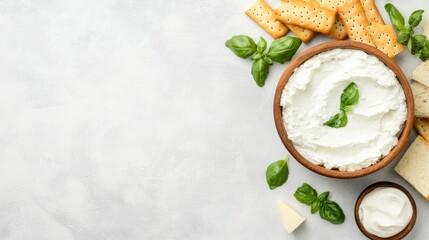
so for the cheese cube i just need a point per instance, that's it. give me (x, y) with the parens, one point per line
(291, 218)
(414, 166)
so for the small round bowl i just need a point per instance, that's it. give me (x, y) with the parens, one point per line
(402, 233)
(408, 125)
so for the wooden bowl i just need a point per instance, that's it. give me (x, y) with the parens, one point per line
(344, 45)
(402, 233)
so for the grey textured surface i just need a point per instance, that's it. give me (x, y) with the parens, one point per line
(126, 119)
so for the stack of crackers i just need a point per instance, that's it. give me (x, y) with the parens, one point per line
(357, 19)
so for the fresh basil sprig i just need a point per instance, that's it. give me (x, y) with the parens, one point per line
(328, 210)
(332, 212)
(243, 46)
(349, 98)
(277, 173)
(281, 50)
(305, 194)
(418, 44)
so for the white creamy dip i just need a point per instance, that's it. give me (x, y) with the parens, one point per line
(385, 211)
(312, 96)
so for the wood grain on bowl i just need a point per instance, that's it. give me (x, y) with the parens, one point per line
(278, 118)
(402, 233)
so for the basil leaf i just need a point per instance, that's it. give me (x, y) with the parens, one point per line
(395, 16)
(267, 60)
(305, 194)
(260, 71)
(262, 45)
(277, 173)
(339, 120)
(412, 47)
(315, 206)
(241, 45)
(283, 49)
(323, 197)
(424, 53)
(420, 40)
(332, 212)
(415, 18)
(403, 37)
(349, 97)
(256, 56)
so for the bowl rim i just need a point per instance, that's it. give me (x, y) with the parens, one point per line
(334, 173)
(407, 229)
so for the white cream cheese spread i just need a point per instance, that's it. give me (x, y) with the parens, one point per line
(385, 211)
(312, 95)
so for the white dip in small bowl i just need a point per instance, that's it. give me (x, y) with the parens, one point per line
(312, 96)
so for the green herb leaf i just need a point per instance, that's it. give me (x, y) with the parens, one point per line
(420, 40)
(349, 97)
(424, 53)
(260, 71)
(305, 194)
(267, 60)
(415, 18)
(403, 37)
(256, 56)
(277, 173)
(412, 47)
(323, 197)
(262, 45)
(395, 16)
(241, 45)
(283, 49)
(339, 120)
(332, 212)
(315, 206)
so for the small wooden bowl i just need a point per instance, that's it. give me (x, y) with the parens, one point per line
(402, 233)
(344, 45)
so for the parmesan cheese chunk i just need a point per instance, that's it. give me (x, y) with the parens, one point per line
(291, 218)
(414, 166)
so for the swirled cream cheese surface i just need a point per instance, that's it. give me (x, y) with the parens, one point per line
(385, 211)
(312, 95)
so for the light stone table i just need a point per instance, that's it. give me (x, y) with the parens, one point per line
(130, 119)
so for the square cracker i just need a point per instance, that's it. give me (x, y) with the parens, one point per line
(302, 33)
(371, 12)
(306, 15)
(339, 30)
(353, 17)
(385, 39)
(266, 18)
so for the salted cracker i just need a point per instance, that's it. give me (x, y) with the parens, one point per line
(339, 30)
(385, 39)
(306, 15)
(353, 17)
(371, 12)
(266, 18)
(302, 33)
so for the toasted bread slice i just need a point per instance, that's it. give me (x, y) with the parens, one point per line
(421, 74)
(422, 127)
(414, 166)
(421, 99)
